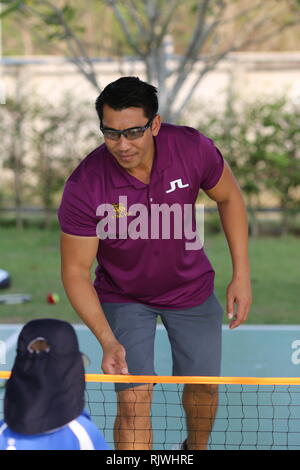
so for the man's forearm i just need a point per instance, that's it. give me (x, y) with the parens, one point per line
(84, 299)
(234, 220)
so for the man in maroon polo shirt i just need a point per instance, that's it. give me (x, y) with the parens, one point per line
(130, 204)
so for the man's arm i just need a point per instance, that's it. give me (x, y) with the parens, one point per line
(77, 257)
(233, 214)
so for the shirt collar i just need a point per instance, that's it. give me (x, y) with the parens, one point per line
(163, 149)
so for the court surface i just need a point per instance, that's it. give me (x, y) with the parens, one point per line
(254, 351)
(257, 351)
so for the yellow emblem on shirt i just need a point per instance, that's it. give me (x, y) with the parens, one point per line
(120, 210)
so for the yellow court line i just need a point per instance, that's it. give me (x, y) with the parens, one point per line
(183, 379)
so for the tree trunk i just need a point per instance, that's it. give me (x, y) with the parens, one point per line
(253, 220)
(17, 151)
(285, 218)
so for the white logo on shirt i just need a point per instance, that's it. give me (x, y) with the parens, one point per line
(179, 184)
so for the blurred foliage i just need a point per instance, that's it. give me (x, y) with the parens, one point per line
(60, 137)
(96, 25)
(53, 140)
(44, 141)
(261, 142)
(178, 42)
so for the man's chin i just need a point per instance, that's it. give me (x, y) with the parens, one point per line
(128, 163)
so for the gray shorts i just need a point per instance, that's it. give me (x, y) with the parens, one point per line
(194, 334)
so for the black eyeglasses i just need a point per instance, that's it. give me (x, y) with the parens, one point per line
(131, 133)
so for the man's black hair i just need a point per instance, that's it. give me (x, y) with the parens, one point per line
(127, 92)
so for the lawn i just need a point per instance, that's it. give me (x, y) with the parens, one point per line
(32, 257)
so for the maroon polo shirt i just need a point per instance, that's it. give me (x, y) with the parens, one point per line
(155, 270)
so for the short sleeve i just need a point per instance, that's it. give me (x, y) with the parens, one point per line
(95, 435)
(76, 214)
(2, 439)
(98, 440)
(212, 165)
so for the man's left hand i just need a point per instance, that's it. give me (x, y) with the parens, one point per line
(239, 294)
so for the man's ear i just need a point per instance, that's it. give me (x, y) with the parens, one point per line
(156, 125)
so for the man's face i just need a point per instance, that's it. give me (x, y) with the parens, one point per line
(130, 154)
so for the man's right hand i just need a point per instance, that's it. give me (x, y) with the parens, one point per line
(113, 361)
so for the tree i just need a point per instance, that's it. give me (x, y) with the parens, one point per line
(261, 142)
(59, 137)
(42, 142)
(201, 33)
(61, 25)
(216, 28)
(13, 118)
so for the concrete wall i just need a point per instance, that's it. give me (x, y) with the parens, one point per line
(249, 75)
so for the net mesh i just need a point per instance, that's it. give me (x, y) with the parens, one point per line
(258, 414)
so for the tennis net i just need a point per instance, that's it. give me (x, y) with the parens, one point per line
(252, 413)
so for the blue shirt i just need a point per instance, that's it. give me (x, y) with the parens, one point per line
(79, 434)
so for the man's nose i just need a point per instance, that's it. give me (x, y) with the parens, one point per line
(123, 143)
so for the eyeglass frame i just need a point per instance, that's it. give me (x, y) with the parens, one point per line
(123, 132)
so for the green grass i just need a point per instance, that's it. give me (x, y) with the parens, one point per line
(274, 277)
(32, 257)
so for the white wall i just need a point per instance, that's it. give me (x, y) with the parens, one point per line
(249, 75)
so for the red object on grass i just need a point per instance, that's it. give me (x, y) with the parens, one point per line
(52, 298)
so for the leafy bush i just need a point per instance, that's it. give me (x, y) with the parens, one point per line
(261, 142)
(42, 143)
